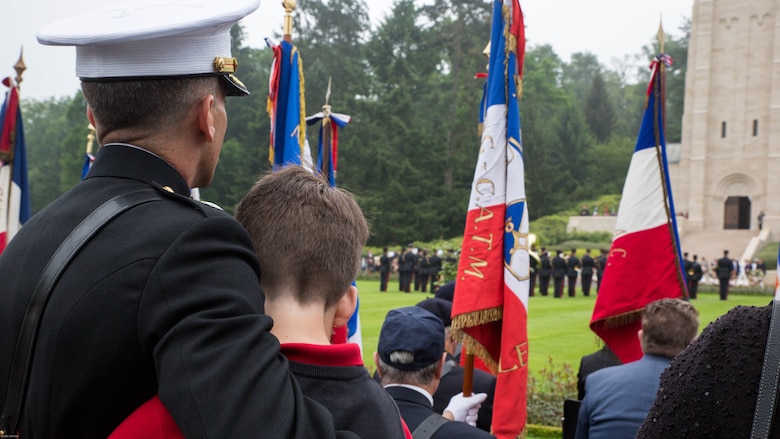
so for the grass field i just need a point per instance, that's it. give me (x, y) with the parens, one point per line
(557, 328)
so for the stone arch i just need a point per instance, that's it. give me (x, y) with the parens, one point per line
(736, 184)
(735, 194)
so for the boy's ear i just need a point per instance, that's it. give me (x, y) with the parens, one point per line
(345, 307)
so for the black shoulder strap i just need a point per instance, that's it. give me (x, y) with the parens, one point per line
(25, 343)
(429, 426)
(770, 375)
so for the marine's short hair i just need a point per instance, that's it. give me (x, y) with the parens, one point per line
(308, 236)
(668, 327)
(145, 105)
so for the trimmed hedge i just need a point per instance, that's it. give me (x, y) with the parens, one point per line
(543, 431)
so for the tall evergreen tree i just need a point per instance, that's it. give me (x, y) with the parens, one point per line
(577, 75)
(598, 110)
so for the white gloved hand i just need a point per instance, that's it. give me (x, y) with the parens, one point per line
(465, 408)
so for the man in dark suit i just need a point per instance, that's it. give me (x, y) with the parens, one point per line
(424, 263)
(601, 264)
(384, 269)
(559, 268)
(545, 271)
(406, 263)
(165, 298)
(435, 268)
(572, 270)
(452, 373)
(724, 269)
(533, 271)
(694, 277)
(409, 361)
(586, 275)
(417, 269)
(399, 263)
(688, 269)
(618, 398)
(590, 363)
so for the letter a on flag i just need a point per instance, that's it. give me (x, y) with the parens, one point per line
(491, 291)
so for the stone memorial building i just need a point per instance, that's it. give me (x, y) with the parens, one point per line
(727, 169)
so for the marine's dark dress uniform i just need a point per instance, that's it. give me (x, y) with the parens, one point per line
(586, 275)
(558, 273)
(572, 264)
(165, 299)
(544, 273)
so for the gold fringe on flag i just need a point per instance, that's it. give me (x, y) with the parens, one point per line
(302, 91)
(269, 108)
(623, 319)
(511, 40)
(476, 318)
(511, 47)
(470, 344)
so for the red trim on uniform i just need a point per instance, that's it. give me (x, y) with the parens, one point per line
(347, 354)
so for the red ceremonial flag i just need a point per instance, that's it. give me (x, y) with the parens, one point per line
(644, 262)
(14, 187)
(491, 293)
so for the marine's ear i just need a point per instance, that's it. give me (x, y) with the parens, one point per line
(345, 307)
(205, 118)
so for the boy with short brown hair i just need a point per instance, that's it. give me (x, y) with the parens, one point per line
(308, 237)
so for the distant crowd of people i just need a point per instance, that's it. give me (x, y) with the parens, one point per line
(566, 269)
(604, 211)
(417, 269)
(724, 271)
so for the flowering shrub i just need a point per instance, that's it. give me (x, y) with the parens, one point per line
(547, 388)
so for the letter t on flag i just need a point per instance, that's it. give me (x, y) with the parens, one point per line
(491, 291)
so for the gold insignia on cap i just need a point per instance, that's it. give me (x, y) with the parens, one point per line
(236, 80)
(225, 65)
(168, 189)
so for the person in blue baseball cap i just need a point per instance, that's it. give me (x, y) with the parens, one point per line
(409, 359)
(165, 298)
(452, 374)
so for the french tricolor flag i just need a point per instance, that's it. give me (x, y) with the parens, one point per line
(491, 291)
(644, 263)
(287, 108)
(14, 189)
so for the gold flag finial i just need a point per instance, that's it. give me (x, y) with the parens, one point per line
(661, 35)
(289, 7)
(20, 67)
(326, 107)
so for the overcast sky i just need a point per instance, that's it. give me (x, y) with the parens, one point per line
(608, 28)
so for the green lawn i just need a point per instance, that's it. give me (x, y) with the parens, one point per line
(557, 328)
